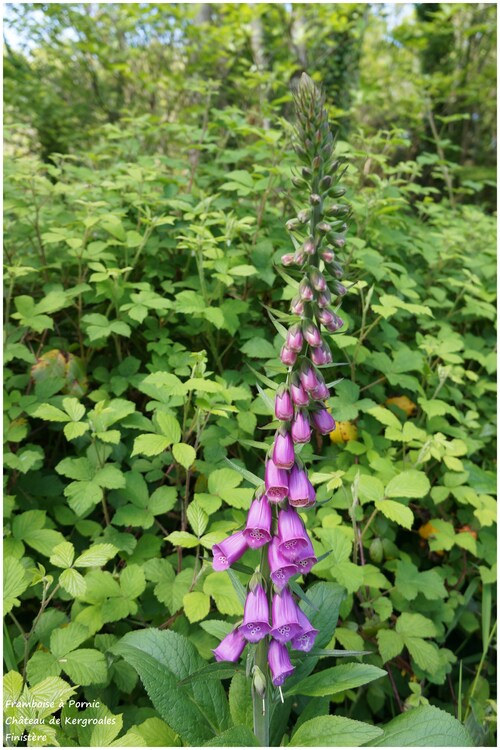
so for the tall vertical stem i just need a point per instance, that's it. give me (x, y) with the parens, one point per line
(261, 712)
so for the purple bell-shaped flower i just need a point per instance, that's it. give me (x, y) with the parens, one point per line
(231, 647)
(301, 429)
(308, 559)
(279, 662)
(281, 568)
(293, 536)
(283, 407)
(285, 617)
(228, 551)
(258, 526)
(283, 451)
(323, 421)
(255, 624)
(276, 480)
(300, 490)
(304, 641)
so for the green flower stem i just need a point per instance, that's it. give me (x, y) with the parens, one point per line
(261, 705)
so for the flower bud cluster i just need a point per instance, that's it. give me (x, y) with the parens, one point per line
(318, 233)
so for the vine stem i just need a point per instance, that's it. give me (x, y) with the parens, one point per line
(261, 712)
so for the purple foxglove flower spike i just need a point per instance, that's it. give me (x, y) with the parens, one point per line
(255, 624)
(308, 560)
(283, 407)
(231, 647)
(304, 641)
(281, 568)
(312, 334)
(228, 551)
(299, 395)
(279, 663)
(323, 421)
(276, 482)
(294, 339)
(306, 293)
(285, 617)
(283, 452)
(258, 526)
(287, 356)
(300, 489)
(301, 429)
(292, 534)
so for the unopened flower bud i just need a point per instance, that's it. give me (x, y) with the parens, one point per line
(259, 681)
(283, 407)
(327, 254)
(287, 356)
(339, 242)
(318, 281)
(294, 339)
(337, 270)
(303, 216)
(325, 182)
(324, 298)
(298, 393)
(292, 224)
(299, 257)
(324, 227)
(312, 334)
(306, 293)
(341, 290)
(317, 162)
(297, 306)
(309, 246)
(335, 324)
(315, 199)
(338, 192)
(288, 259)
(297, 181)
(306, 172)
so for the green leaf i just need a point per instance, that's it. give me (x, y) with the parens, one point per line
(396, 512)
(169, 426)
(337, 679)
(196, 605)
(390, 644)
(66, 639)
(238, 736)
(51, 414)
(184, 454)
(259, 348)
(413, 623)
(197, 711)
(370, 489)
(73, 582)
(95, 556)
(73, 408)
(86, 666)
(408, 484)
(410, 582)
(63, 555)
(150, 444)
(334, 731)
(15, 582)
(197, 518)
(182, 539)
(424, 726)
(252, 478)
(223, 480)
(156, 733)
(220, 588)
(74, 430)
(43, 540)
(162, 500)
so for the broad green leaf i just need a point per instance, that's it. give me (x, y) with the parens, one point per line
(43, 540)
(182, 539)
(390, 644)
(197, 711)
(184, 454)
(196, 605)
(73, 408)
(337, 679)
(424, 726)
(51, 414)
(162, 500)
(370, 489)
(74, 430)
(410, 581)
(333, 731)
(73, 582)
(238, 736)
(396, 512)
(15, 583)
(197, 518)
(413, 623)
(86, 666)
(156, 733)
(222, 480)
(150, 444)
(95, 556)
(66, 639)
(220, 588)
(408, 484)
(169, 426)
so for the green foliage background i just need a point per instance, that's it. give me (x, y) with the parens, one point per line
(147, 184)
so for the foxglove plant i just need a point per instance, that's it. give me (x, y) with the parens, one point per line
(317, 233)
